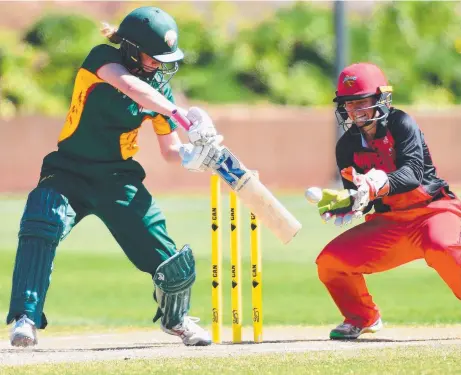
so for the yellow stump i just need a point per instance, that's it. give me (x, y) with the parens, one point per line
(216, 259)
(236, 292)
(256, 278)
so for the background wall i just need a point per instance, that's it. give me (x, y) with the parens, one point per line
(262, 68)
(292, 148)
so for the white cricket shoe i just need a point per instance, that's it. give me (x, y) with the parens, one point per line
(346, 331)
(24, 333)
(190, 332)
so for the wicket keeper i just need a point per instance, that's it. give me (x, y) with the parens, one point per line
(384, 157)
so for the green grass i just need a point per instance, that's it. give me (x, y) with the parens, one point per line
(94, 285)
(410, 360)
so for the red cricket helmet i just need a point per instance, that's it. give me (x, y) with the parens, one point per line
(359, 81)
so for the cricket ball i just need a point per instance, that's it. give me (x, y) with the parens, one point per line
(313, 195)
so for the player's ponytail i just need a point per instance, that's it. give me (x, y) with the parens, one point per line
(110, 32)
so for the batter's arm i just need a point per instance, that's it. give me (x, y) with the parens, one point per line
(169, 146)
(141, 92)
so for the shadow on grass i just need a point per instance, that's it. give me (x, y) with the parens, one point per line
(359, 341)
(362, 341)
(76, 350)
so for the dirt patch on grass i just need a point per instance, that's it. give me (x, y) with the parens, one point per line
(154, 344)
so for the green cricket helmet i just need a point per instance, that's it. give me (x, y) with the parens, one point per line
(154, 32)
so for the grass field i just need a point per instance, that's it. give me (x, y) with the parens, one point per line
(95, 287)
(93, 283)
(427, 361)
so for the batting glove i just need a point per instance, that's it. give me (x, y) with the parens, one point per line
(202, 130)
(200, 158)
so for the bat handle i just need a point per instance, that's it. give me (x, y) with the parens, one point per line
(181, 119)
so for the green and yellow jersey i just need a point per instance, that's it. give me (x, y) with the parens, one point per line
(101, 127)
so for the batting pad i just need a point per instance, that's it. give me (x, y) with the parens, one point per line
(174, 279)
(42, 226)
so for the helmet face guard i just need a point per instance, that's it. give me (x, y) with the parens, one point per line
(131, 55)
(361, 81)
(381, 109)
(154, 32)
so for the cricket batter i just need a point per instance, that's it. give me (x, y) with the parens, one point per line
(93, 172)
(383, 155)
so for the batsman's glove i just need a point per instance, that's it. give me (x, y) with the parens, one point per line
(202, 130)
(200, 158)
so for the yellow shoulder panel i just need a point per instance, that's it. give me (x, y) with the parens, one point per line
(129, 143)
(84, 82)
(161, 125)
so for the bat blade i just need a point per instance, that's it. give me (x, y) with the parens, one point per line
(253, 194)
(257, 197)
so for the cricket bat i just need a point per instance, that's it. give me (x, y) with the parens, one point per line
(252, 193)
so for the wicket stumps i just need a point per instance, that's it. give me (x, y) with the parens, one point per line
(216, 256)
(256, 279)
(235, 259)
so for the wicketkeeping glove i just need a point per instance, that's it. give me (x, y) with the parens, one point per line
(370, 186)
(338, 203)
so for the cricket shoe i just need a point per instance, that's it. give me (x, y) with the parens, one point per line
(190, 332)
(24, 333)
(346, 331)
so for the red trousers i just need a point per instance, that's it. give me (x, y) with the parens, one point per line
(386, 241)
